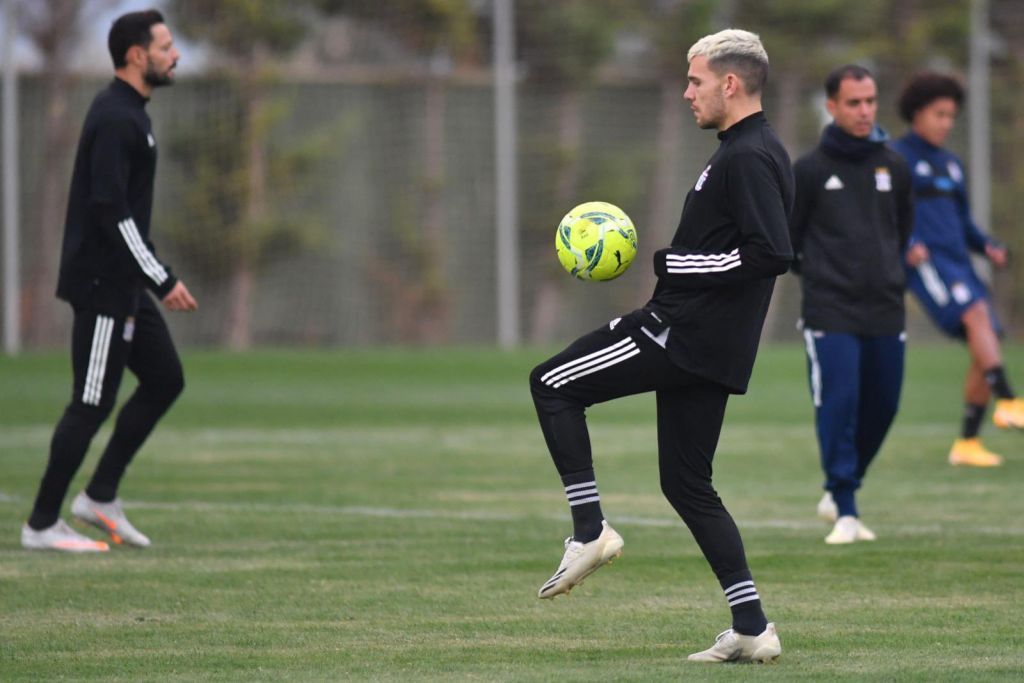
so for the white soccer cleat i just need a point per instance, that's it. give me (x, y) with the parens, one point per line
(847, 530)
(864, 533)
(827, 509)
(581, 560)
(110, 518)
(733, 647)
(60, 537)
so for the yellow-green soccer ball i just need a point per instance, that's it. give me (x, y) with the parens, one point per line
(596, 241)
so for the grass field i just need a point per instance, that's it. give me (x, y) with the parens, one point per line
(390, 516)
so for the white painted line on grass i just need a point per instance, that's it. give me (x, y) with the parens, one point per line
(481, 516)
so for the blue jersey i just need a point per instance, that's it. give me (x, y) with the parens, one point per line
(942, 217)
(945, 284)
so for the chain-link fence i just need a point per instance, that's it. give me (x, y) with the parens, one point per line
(327, 173)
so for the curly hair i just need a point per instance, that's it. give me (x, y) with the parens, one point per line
(924, 88)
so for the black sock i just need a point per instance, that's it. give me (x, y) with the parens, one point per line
(996, 378)
(748, 617)
(973, 415)
(584, 504)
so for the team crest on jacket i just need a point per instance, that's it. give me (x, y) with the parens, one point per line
(703, 179)
(923, 168)
(954, 171)
(150, 139)
(883, 181)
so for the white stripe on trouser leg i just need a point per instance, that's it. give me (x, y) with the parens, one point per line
(622, 354)
(741, 592)
(97, 335)
(556, 380)
(98, 360)
(933, 283)
(812, 355)
(573, 363)
(749, 590)
(587, 495)
(738, 586)
(584, 492)
(740, 601)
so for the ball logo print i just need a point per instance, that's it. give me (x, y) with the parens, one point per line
(596, 241)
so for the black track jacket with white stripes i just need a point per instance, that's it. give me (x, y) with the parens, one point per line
(715, 281)
(850, 224)
(107, 257)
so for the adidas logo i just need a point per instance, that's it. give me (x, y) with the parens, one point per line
(834, 183)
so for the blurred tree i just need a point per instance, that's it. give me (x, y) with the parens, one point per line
(804, 42)
(54, 27)
(242, 179)
(673, 26)
(1007, 25)
(445, 35)
(563, 45)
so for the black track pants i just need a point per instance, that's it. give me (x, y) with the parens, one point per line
(102, 346)
(618, 360)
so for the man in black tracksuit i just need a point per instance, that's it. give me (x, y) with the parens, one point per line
(850, 224)
(107, 263)
(693, 344)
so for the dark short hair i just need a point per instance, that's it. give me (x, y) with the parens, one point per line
(752, 71)
(128, 30)
(924, 88)
(835, 79)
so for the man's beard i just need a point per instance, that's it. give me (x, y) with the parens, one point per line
(156, 79)
(714, 113)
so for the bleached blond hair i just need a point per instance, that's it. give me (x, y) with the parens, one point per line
(737, 51)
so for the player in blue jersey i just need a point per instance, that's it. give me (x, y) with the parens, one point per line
(940, 273)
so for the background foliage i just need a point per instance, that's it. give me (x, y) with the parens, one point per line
(327, 166)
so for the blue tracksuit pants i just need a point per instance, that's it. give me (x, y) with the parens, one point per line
(855, 386)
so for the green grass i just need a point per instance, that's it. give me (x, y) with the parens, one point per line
(389, 516)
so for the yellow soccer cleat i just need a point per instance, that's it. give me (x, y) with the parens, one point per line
(1009, 413)
(971, 453)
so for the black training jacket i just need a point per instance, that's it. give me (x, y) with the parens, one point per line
(715, 281)
(107, 258)
(851, 221)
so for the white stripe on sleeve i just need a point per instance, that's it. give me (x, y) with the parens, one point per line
(150, 266)
(677, 264)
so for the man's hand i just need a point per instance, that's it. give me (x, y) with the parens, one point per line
(917, 254)
(997, 254)
(179, 299)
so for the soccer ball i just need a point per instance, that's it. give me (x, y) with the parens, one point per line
(596, 241)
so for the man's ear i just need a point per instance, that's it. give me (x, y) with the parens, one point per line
(135, 55)
(731, 85)
(830, 105)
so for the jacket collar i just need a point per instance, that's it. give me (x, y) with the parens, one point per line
(838, 143)
(125, 88)
(744, 123)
